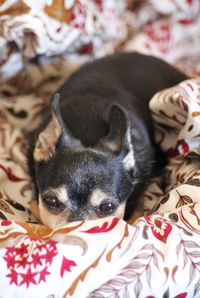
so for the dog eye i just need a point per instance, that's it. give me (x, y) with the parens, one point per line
(107, 208)
(51, 202)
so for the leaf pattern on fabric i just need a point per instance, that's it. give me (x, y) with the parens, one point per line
(159, 227)
(5, 207)
(104, 228)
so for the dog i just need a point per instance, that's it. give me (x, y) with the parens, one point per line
(95, 152)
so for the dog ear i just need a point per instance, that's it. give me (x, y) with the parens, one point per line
(55, 134)
(118, 141)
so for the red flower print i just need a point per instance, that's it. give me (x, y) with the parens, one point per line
(43, 275)
(51, 245)
(104, 228)
(50, 254)
(22, 250)
(99, 4)
(28, 277)
(10, 260)
(6, 222)
(11, 250)
(160, 34)
(79, 17)
(13, 277)
(66, 265)
(22, 263)
(186, 21)
(181, 148)
(29, 262)
(29, 266)
(86, 49)
(36, 260)
(159, 227)
(182, 295)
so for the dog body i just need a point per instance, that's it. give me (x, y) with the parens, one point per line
(95, 151)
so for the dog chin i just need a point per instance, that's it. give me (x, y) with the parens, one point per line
(50, 220)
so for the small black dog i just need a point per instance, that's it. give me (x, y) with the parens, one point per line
(95, 152)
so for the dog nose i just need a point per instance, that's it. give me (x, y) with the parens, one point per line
(74, 217)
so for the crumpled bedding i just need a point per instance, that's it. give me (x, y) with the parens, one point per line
(159, 255)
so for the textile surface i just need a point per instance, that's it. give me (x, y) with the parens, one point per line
(41, 43)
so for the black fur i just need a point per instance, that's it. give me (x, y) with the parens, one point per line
(128, 80)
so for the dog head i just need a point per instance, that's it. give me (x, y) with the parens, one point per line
(75, 182)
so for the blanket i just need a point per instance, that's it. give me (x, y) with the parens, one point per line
(41, 43)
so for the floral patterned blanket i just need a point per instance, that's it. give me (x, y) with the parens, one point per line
(41, 43)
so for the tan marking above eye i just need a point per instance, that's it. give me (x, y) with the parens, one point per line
(55, 220)
(98, 196)
(60, 193)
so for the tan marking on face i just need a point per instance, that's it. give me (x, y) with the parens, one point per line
(97, 197)
(62, 194)
(120, 210)
(54, 220)
(34, 208)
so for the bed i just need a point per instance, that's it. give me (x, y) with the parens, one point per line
(42, 43)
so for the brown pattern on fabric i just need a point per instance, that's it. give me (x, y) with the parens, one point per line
(5, 207)
(16, 9)
(59, 12)
(183, 200)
